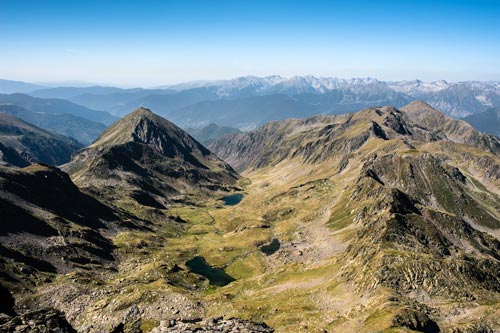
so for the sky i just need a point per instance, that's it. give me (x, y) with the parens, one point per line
(152, 43)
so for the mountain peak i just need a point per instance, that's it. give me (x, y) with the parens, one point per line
(143, 126)
(147, 154)
(142, 111)
(419, 104)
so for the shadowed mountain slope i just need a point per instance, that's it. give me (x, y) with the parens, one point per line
(22, 144)
(486, 122)
(49, 226)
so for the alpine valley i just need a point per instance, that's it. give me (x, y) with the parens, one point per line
(382, 220)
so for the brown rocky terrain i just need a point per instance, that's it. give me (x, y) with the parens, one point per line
(384, 220)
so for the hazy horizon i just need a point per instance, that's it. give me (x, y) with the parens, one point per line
(84, 84)
(165, 42)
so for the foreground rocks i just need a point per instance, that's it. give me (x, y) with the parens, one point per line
(47, 320)
(212, 325)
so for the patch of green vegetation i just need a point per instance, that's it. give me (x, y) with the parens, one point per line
(148, 324)
(379, 318)
(246, 267)
(340, 216)
(278, 214)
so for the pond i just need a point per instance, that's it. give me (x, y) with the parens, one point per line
(271, 247)
(232, 199)
(216, 276)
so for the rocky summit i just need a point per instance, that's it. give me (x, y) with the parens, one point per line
(383, 220)
(148, 160)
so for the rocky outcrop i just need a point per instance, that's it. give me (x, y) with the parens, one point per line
(41, 321)
(49, 226)
(212, 325)
(416, 321)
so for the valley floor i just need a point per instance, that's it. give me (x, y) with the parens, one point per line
(300, 285)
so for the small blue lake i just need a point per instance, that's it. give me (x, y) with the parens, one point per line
(216, 276)
(232, 199)
(271, 247)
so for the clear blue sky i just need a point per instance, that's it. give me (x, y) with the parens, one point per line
(160, 42)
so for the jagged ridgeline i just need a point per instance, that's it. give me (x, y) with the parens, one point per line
(411, 199)
(147, 159)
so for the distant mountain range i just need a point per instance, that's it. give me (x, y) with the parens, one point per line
(487, 121)
(208, 100)
(9, 87)
(56, 106)
(211, 132)
(455, 99)
(249, 102)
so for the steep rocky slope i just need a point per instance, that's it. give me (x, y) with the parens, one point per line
(22, 144)
(149, 159)
(48, 226)
(455, 130)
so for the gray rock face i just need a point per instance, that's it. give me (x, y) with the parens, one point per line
(132, 320)
(212, 325)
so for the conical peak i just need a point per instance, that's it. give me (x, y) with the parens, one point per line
(127, 128)
(143, 111)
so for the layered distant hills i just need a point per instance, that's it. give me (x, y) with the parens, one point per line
(55, 106)
(248, 102)
(210, 132)
(81, 129)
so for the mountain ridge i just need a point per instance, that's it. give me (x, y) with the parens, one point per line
(457, 99)
(23, 143)
(81, 129)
